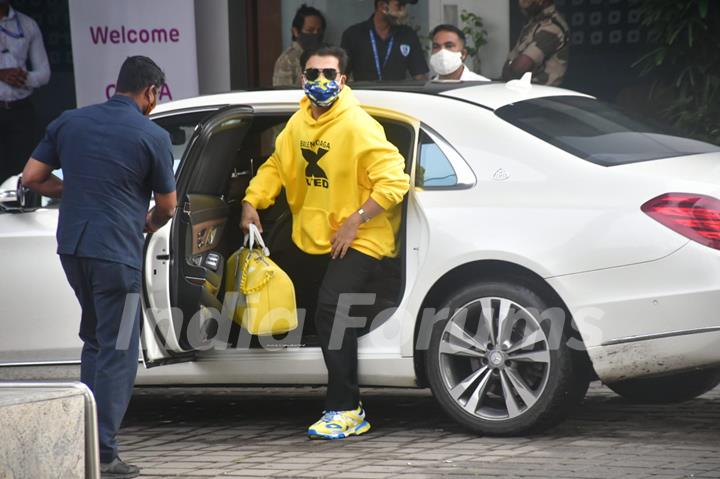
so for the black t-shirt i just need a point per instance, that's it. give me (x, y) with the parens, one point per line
(405, 56)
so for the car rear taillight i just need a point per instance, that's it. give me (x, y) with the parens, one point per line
(694, 216)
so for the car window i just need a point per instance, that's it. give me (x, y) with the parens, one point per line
(597, 132)
(434, 168)
(181, 127)
(401, 135)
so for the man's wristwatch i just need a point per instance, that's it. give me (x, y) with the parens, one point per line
(363, 214)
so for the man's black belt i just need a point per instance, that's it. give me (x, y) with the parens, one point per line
(14, 105)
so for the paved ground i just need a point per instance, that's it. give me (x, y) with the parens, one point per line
(200, 433)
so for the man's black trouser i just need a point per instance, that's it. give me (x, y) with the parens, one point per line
(319, 283)
(17, 137)
(111, 338)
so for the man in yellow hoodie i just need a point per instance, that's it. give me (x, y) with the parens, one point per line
(343, 181)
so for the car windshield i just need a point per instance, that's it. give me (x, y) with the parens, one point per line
(597, 132)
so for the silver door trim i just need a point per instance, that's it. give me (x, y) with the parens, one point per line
(670, 334)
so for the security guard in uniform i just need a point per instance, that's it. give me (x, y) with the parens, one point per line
(113, 157)
(21, 43)
(382, 49)
(543, 47)
(308, 30)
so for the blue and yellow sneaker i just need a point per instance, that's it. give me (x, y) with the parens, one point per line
(340, 424)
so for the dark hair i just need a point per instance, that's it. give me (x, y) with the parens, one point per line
(138, 73)
(302, 13)
(404, 2)
(326, 51)
(449, 28)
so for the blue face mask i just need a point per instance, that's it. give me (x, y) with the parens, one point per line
(322, 92)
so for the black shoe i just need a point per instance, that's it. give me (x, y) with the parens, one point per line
(118, 470)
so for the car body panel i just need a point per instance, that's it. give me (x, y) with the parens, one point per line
(696, 173)
(39, 310)
(289, 367)
(680, 292)
(656, 356)
(496, 94)
(576, 224)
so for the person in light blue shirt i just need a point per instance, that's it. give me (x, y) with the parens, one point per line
(23, 68)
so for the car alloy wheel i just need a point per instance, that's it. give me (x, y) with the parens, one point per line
(502, 362)
(494, 358)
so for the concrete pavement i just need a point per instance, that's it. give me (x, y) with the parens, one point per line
(260, 432)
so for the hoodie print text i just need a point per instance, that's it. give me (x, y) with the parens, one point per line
(312, 153)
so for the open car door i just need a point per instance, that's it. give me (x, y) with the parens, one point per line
(183, 268)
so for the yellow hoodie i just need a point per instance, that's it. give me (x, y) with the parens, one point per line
(329, 168)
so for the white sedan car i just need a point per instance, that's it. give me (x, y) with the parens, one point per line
(547, 240)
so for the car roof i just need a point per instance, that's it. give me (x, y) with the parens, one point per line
(487, 94)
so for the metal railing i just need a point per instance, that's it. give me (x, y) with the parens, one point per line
(92, 454)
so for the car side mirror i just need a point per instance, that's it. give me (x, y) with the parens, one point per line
(8, 199)
(8, 195)
(27, 199)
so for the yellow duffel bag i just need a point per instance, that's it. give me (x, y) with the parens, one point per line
(266, 301)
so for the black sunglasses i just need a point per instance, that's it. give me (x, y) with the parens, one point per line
(312, 74)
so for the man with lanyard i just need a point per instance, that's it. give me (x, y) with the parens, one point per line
(113, 158)
(382, 49)
(20, 41)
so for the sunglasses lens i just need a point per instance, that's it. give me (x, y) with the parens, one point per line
(330, 73)
(312, 74)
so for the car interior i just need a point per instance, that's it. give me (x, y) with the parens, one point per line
(214, 175)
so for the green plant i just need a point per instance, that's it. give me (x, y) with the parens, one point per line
(474, 28)
(684, 63)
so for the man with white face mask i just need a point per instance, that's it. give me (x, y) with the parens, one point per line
(449, 54)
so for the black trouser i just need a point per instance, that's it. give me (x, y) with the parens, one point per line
(17, 137)
(319, 282)
(111, 337)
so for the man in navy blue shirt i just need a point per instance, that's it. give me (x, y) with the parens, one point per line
(112, 158)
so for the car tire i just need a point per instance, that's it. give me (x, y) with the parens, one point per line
(529, 361)
(667, 389)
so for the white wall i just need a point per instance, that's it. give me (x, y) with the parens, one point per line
(213, 45)
(496, 16)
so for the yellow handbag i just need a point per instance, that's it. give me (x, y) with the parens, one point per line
(266, 302)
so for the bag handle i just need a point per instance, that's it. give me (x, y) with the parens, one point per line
(243, 279)
(252, 236)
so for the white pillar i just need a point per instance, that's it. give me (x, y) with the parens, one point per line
(213, 45)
